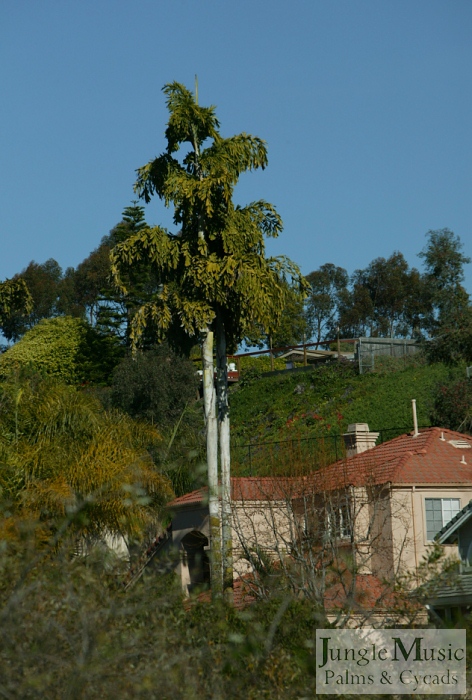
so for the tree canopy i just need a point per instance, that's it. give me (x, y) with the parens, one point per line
(389, 288)
(43, 283)
(389, 299)
(215, 261)
(65, 348)
(327, 285)
(15, 303)
(444, 274)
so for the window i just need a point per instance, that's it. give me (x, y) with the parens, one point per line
(339, 521)
(439, 511)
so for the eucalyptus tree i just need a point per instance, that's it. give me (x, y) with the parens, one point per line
(214, 276)
(444, 276)
(322, 305)
(393, 289)
(386, 299)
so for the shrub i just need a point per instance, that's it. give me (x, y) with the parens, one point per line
(453, 406)
(260, 363)
(65, 348)
(155, 385)
(51, 347)
(62, 454)
(69, 631)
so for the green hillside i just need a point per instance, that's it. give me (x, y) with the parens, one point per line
(291, 408)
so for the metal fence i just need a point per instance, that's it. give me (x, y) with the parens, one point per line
(296, 456)
(367, 349)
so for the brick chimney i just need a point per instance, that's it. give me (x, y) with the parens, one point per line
(358, 439)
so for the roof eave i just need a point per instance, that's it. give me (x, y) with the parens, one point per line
(452, 527)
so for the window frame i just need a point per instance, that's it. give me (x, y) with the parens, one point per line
(430, 522)
(339, 524)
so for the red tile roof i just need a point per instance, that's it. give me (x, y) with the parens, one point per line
(194, 498)
(427, 458)
(364, 592)
(248, 488)
(367, 594)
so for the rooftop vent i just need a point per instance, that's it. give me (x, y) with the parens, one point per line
(460, 444)
(358, 439)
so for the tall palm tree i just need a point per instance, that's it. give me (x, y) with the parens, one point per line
(215, 278)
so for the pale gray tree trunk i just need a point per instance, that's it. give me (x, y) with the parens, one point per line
(225, 457)
(209, 399)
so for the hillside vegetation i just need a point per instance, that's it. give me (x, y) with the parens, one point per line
(324, 400)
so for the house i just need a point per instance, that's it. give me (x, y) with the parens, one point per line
(402, 493)
(310, 357)
(369, 517)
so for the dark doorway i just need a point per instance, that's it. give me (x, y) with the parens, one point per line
(194, 544)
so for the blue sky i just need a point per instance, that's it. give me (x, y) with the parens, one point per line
(365, 106)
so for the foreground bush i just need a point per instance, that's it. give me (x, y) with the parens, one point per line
(69, 630)
(62, 455)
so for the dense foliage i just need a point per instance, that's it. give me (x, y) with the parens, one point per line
(452, 343)
(62, 454)
(66, 348)
(51, 347)
(453, 405)
(15, 301)
(71, 630)
(156, 385)
(444, 274)
(43, 284)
